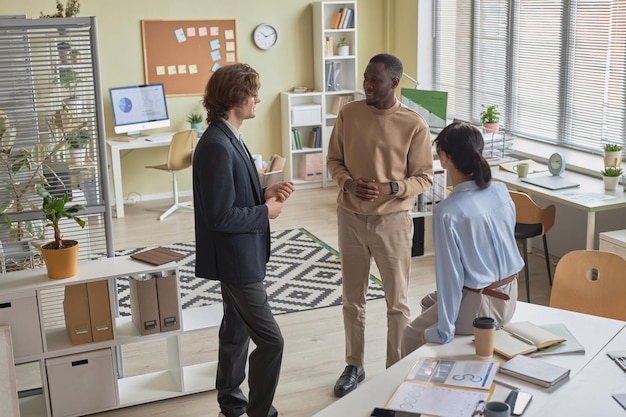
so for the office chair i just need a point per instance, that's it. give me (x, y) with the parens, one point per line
(591, 282)
(273, 173)
(532, 221)
(179, 157)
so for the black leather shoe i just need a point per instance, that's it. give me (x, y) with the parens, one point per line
(348, 380)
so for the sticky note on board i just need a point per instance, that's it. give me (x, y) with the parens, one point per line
(216, 55)
(230, 46)
(229, 34)
(215, 31)
(193, 69)
(215, 67)
(180, 35)
(182, 69)
(215, 44)
(171, 70)
(160, 70)
(202, 31)
(191, 32)
(230, 57)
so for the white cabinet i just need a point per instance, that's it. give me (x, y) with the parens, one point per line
(614, 241)
(335, 84)
(33, 306)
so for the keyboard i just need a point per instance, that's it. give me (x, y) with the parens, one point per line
(159, 138)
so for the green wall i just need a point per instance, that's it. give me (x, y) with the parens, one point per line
(383, 26)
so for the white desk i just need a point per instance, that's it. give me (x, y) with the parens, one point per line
(116, 164)
(588, 185)
(593, 332)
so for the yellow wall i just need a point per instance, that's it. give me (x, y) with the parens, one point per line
(383, 26)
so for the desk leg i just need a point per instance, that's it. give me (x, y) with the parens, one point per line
(591, 226)
(116, 164)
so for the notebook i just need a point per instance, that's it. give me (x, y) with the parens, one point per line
(551, 182)
(524, 337)
(536, 371)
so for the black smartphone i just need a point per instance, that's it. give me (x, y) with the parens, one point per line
(384, 412)
(518, 401)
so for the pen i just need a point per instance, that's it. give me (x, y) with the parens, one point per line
(522, 338)
(505, 384)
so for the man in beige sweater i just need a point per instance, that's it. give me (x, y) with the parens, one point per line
(380, 156)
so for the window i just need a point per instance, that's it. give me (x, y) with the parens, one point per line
(555, 69)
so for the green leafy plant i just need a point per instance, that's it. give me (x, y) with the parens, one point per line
(69, 79)
(55, 209)
(71, 9)
(342, 42)
(78, 139)
(194, 118)
(611, 172)
(490, 114)
(612, 147)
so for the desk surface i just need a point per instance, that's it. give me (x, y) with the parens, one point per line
(593, 332)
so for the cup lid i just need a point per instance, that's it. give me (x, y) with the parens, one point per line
(484, 323)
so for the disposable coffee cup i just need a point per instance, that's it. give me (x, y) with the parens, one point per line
(521, 169)
(497, 409)
(484, 336)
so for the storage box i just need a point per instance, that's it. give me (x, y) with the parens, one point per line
(81, 384)
(306, 115)
(311, 167)
(19, 312)
(76, 311)
(144, 305)
(169, 311)
(613, 241)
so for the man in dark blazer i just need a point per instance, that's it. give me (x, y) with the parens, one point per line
(232, 214)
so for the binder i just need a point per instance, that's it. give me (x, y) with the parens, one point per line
(76, 311)
(100, 310)
(167, 295)
(144, 307)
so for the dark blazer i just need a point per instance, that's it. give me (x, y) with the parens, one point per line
(231, 219)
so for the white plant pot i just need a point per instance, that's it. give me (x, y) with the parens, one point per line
(77, 156)
(343, 50)
(610, 183)
(613, 159)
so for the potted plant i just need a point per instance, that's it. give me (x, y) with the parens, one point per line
(195, 120)
(612, 155)
(610, 177)
(490, 118)
(343, 49)
(69, 80)
(71, 9)
(60, 256)
(78, 141)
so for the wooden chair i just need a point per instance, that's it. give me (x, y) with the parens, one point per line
(591, 282)
(180, 156)
(532, 221)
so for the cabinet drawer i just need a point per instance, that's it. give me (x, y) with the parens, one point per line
(19, 311)
(81, 384)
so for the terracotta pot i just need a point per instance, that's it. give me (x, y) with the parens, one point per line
(61, 263)
(491, 127)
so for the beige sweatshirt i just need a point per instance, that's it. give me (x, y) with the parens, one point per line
(387, 145)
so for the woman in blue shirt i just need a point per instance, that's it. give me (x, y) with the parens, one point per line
(476, 256)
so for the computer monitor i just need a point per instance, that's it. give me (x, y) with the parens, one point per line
(432, 105)
(139, 107)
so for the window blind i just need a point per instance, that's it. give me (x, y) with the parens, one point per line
(555, 69)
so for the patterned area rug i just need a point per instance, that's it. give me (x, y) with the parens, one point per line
(303, 273)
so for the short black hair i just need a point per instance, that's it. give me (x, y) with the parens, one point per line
(392, 64)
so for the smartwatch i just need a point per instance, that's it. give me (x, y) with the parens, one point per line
(394, 187)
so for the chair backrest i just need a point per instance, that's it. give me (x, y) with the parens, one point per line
(528, 212)
(591, 282)
(181, 149)
(277, 163)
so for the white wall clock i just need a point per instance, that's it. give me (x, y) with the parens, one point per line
(265, 36)
(556, 163)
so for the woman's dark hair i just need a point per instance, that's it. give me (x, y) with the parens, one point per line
(463, 143)
(228, 87)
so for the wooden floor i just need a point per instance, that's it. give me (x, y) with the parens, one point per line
(314, 347)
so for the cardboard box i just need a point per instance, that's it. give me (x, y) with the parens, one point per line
(19, 312)
(169, 310)
(144, 306)
(306, 115)
(81, 383)
(311, 166)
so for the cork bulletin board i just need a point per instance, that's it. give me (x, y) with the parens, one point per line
(182, 54)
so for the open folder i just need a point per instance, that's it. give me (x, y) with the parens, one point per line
(522, 338)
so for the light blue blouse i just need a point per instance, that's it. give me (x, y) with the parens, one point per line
(474, 247)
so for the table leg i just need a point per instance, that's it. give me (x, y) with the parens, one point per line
(117, 182)
(591, 226)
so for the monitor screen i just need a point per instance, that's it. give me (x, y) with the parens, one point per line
(432, 105)
(139, 107)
